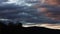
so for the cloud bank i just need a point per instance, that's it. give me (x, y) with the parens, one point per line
(22, 10)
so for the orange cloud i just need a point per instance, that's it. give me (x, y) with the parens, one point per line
(48, 2)
(52, 2)
(54, 15)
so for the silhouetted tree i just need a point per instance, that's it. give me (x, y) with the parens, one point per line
(18, 25)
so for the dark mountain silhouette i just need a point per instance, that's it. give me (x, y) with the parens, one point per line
(18, 29)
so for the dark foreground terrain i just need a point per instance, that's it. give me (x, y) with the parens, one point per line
(18, 29)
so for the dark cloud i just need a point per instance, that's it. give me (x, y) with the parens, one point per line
(3, 1)
(25, 13)
(50, 11)
(53, 2)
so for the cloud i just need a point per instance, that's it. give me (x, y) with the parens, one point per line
(20, 10)
(50, 26)
(17, 2)
(3, 0)
(50, 11)
(23, 12)
(51, 2)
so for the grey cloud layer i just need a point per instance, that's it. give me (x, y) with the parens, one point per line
(24, 13)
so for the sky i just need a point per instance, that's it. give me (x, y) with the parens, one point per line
(31, 12)
(24, 10)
